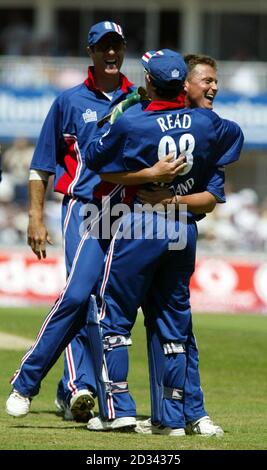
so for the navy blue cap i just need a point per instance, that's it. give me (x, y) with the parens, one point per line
(164, 66)
(98, 30)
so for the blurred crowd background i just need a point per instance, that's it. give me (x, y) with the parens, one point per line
(42, 52)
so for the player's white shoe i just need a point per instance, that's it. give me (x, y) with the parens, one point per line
(17, 405)
(146, 427)
(81, 405)
(204, 427)
(126, 423)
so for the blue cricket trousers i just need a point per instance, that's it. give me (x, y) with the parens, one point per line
(140, 268)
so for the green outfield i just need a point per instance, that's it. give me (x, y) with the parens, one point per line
(233, 353)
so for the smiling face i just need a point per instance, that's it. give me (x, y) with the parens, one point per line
(107, 54)
(201, 86)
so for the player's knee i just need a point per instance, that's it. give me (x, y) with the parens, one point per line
(76, 300)
(174, 370)
(116, 354)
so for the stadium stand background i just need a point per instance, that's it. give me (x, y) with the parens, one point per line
(42, 51)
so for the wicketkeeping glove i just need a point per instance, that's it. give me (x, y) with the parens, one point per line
(137, 95)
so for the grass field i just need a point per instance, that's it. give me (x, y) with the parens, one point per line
(233, 352)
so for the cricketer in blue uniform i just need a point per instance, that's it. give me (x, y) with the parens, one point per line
(201, 87)
(146, 267)
(70, 124)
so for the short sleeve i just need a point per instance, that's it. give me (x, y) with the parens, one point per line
(215, 183)
(46, 151)
(229, 143)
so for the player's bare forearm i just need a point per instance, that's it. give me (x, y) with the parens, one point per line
(164, 171)
(197, 203)
(37, 231)
(37, 190)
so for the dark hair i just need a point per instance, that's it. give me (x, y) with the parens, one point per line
(174, 89)
(192, 60)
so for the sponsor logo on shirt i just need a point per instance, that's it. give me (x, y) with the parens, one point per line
(89, 116)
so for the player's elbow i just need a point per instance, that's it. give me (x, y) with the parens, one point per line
(210, 202)
(210, 206)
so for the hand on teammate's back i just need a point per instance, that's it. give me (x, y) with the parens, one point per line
(155, 196)
(166, 169)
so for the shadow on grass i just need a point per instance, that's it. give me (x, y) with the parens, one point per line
(28, 426)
